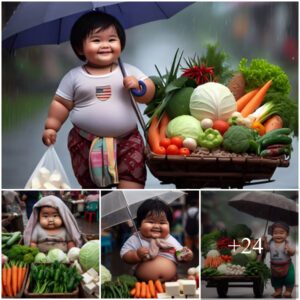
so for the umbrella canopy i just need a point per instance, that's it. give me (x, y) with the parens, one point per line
(38, 23)
(121, 206)
(267, 205)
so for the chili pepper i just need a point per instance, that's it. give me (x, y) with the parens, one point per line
(210, 139)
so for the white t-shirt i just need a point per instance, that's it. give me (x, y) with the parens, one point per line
(102, 106)
(133, 243)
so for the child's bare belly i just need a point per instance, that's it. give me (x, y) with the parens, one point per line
(158, 268)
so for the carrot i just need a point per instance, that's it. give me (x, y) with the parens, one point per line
(20, 276)
(159, 286)
(9, 283)
(132, 292)
(153, 137)
(163, 126)
(256, 101)
(243, 101)
(148, 294)
(138, 289)
(151, 288)
(14, 279)
(143, 290)
(274, 122)
(4, 280)
(3, 290)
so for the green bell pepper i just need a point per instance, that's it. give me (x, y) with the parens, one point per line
(210, 139)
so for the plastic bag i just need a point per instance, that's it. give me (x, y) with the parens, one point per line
(49, 173)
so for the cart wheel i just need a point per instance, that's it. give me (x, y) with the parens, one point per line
(222, 289)
(258, 288)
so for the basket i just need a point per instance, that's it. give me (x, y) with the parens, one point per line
(195, 171)
(28, 294)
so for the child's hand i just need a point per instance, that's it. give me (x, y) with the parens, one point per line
(49, 137)
(143, 253)
(290, 251)
(131, 82)
(187, 255)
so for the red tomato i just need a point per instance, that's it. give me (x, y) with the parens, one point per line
(165, 142)
(177, 140)
(184, 151)
(221, 126)
(172, 150)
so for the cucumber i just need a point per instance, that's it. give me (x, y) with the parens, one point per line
(277, 139)
(285, 131)
(14, 238)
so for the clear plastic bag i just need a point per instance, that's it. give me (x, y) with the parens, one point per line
(49, 174)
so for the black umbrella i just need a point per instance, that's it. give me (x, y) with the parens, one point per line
(270, 206)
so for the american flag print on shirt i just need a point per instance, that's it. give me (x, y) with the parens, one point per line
(103, 93)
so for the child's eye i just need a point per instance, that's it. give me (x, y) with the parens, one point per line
(112, 40)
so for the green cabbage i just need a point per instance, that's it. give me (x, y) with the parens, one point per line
(56, 255)
(89, 255)
(212, 100)
(184, 126)
(105, 275)
(40, 258)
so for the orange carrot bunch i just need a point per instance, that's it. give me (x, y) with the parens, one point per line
(213, 262)
(13, 275)
(147, 290)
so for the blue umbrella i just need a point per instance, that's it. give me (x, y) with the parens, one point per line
(41, 23)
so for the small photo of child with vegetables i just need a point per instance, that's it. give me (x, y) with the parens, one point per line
(239, 259)
(57, 254)
(146, 254)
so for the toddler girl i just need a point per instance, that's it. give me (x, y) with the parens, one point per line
(282, 268)
(52, 225)
(156, 257)
(105, 145)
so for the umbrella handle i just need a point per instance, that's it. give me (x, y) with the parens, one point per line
(140, 92)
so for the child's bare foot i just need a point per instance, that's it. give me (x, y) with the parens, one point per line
(287, 294)
(277, 294)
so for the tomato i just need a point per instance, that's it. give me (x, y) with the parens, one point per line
(177, 140)
(184, 151)
(172, 150)
(165, 142)
(221, 126)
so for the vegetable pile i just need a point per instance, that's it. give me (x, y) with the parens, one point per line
(206, 111)
(53, 278)
(9, 239)
(219, 258)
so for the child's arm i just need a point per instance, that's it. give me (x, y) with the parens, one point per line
(57, 115)
(130, 82)
(136, 256)
(290, 251)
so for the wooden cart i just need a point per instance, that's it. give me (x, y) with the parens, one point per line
(224, 282)
(212, 171)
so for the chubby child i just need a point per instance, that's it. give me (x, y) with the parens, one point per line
(156, 258)
(97, 98)
(52, 225)
(282, 268)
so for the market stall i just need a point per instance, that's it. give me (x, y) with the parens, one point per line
(43, 268)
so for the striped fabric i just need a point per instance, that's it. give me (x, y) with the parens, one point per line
(102, 159)
(103, 93)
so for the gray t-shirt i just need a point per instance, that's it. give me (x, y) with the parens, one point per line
(102, 106)
(133, 243)
(277, 252)
(39, 234)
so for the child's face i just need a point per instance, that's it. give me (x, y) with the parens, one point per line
(279, 234)
(102, 47)
(155, 226)
(50, 218)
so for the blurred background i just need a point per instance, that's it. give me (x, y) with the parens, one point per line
(31, 75)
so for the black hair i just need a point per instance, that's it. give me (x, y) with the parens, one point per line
(89, 22)
(153, 206)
